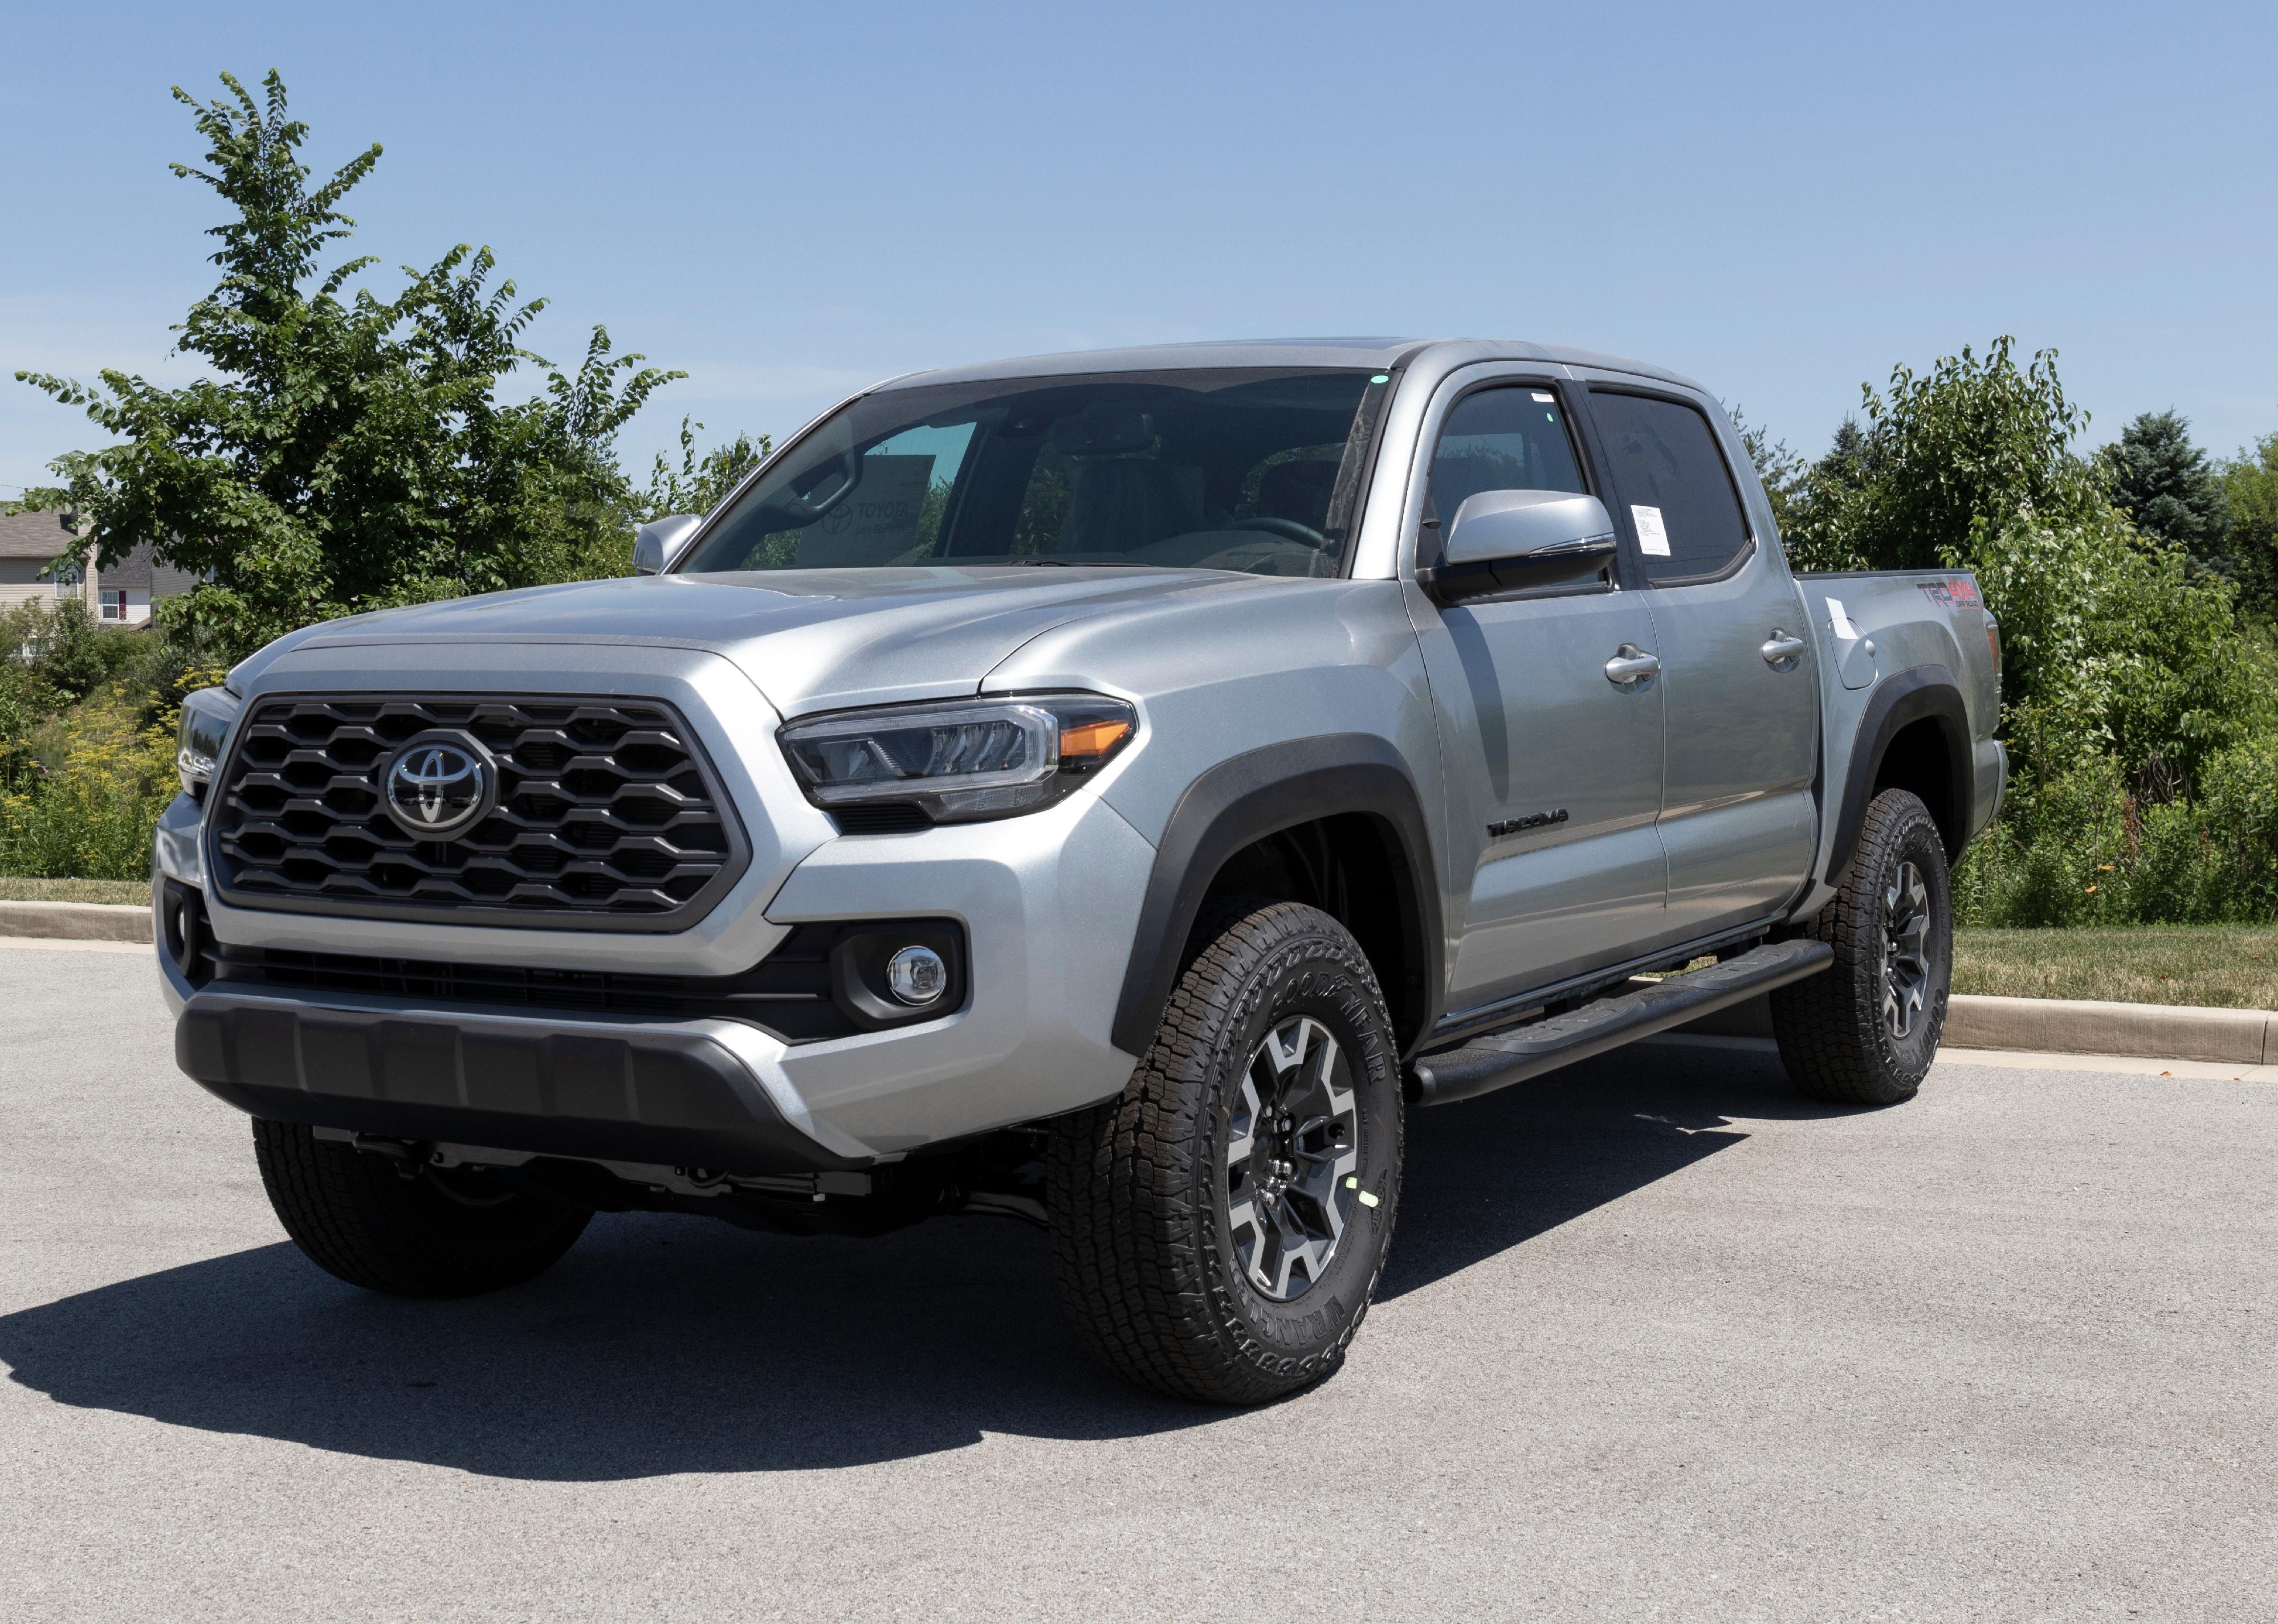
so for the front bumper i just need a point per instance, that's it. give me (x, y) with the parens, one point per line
(674, 1095)
(1045, 901)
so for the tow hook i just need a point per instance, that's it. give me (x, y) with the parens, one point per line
(406, 1156)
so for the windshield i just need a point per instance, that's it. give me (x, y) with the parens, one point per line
(1248, 469)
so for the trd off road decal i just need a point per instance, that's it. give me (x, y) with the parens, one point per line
(1961, 594)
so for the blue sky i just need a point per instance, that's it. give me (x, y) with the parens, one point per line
(792, 201)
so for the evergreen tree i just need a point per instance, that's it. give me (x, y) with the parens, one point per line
(2169, 488)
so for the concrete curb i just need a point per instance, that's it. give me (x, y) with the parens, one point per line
(2064, 1026)
(2068, 1027)
(76, 921)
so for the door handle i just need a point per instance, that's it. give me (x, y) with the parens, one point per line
(1631, 666)
(1781, 652)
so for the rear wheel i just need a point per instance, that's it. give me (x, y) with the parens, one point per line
(1219, 1228)
(440, 1232)
(1865, 1030)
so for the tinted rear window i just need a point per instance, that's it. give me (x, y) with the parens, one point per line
(1672, 480)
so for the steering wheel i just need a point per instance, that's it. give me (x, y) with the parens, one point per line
(1288, 530)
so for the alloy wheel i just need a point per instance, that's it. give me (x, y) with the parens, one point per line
(1292, 1144)
(1906, 950)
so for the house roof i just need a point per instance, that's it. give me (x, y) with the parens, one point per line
(32, 535)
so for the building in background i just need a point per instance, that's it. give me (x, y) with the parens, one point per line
(30, 544)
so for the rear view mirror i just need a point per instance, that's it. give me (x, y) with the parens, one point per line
(660, 541)
(1514, 541)
(1101, 430)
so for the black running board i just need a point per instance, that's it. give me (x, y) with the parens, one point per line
(1487, 1063)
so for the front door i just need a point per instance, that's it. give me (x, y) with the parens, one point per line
(1553, 766)
(1737, 818)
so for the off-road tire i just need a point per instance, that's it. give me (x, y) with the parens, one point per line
(1835, 1037)
(437, 1234)
(1143, 1245)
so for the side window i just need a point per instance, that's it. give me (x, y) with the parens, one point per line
(1506, 438)
(1669, 473)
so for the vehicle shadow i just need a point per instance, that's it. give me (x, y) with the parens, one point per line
(1489, 1174)
(663, 1346)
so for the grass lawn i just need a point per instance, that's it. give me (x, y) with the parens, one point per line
(2222, 966)
(135, 892)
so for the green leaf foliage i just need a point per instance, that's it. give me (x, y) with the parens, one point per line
(346, 453)
(2250, 486)
(702, 483)
(1976, 439)
(1785, 474)
(2112, 651)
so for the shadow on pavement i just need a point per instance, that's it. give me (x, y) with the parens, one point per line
(1489, 1174)
(662, 1345)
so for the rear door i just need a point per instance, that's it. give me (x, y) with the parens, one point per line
(1553, 769)
(1737, 815)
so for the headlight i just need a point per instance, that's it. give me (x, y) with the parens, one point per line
(206, 716)
(961, 762)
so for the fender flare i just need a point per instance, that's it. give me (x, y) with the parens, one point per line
(1898, 702)
(1245, 798)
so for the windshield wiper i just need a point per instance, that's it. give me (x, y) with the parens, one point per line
(1037, 560)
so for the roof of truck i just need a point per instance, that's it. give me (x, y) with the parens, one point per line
(1269, 353)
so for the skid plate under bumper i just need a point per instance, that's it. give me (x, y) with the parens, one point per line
(663, 1094)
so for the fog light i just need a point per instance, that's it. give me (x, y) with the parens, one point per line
(917, 975)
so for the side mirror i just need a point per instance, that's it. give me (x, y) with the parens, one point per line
(659, 540)
(1515, 541)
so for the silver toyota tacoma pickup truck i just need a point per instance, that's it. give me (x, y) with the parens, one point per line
(1107, 789)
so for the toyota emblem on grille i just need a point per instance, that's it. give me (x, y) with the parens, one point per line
(436, 787)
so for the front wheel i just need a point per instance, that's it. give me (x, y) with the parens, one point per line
(436, 1234)
(1864, 1031)
(1218, 1229)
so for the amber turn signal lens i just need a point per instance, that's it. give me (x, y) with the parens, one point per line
(1088, 741)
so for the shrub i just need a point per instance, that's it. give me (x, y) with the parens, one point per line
(2087, 850)
(90, 816)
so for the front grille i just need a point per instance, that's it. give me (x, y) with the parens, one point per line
(787, 993)
(608, 815)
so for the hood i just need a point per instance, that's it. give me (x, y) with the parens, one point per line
(810, 640)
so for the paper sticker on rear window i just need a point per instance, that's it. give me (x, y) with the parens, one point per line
(1652, 537)
(1540, 395)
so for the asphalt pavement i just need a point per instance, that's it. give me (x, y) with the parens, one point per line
(1659, 1339)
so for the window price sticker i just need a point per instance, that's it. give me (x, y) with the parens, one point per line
(1652, 537)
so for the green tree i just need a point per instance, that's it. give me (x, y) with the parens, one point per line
(2250, 486)
(1785, 475)
(1816, 537)
(347, 453)
(2167, 485)
(1976, 439)
(702, 483)
(39, 498)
